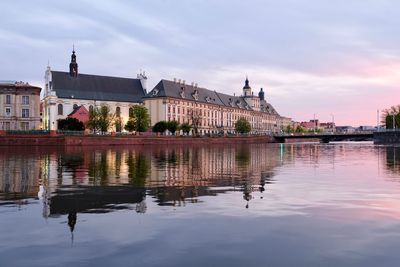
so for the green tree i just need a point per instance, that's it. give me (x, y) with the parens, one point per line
(172, 126)
(118, 124)
(242, 126)
(186, 127)
(299, 129)
(388, 115)
(140, 118)
(289, 129)
(70, 124)
(100, 118)
(130, 125)
(160, 127)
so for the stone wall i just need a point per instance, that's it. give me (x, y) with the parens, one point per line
(387, 137)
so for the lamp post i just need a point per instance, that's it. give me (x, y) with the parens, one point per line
(394, 122)
(333, 123)
(315, 124)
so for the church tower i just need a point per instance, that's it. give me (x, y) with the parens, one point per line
(73, 66)
(247, 88)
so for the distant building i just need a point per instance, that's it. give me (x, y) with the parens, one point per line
(310, 125)
(19, 106)
(345, 129)
(65, 91)
(212, 112)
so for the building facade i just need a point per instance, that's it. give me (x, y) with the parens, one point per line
(212, 112)
(66, 91)
(19, 106)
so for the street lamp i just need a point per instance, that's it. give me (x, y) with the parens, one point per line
(333, 123)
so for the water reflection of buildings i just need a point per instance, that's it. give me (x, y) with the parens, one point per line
(101, 180)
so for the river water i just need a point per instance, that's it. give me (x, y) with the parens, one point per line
(244, 205)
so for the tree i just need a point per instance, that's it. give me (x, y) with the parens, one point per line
(172, 126)
(299, 129)
(130, 125)
(70, 124)
(118, 124)
(186, 127)
(242, 126)
(390, 115)
(100, 118)
(160, 127)
(289, 129)
(140, 118)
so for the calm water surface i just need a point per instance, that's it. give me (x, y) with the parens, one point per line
(253, 205)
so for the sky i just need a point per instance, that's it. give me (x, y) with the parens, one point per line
(335, 60)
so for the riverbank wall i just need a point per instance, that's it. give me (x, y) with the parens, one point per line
(387, 138)
(46, 140)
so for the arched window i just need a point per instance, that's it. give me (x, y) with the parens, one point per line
(75, 106)
(60, 109)
(90, 108)
(118, 111)
(130, 112)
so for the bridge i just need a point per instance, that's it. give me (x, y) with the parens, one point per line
(326, 137)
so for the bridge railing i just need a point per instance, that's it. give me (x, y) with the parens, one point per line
(323, 134)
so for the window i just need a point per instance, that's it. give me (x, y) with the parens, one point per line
(118, 111)
(75, 106)
(25, 113)
(90, 108)
(24, 126)
(8, 112)
(25, 100)
(130, 112)
(60, 109)
(7, 125)
(8, 99)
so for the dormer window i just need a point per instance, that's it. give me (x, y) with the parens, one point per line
(208, 99)
(182, 92)
(196, 94)
(155, 92)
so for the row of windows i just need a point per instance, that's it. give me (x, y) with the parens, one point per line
(24, 113)
(25, 100)
(22, 126)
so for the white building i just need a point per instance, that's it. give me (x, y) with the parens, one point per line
(65, 91)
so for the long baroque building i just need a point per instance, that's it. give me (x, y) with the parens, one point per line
(210, 111)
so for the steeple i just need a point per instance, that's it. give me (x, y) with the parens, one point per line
(73, 66)
(246, 88)
(261, 94)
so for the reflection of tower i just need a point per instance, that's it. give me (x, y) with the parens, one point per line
(141, 207)
(71, 223)
(247, 193)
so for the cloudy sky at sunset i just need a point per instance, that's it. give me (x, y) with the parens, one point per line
(322, 57)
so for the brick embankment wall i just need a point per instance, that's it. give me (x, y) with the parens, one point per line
(31, 140)
(46, 140)
(138, 140)
(382, 138)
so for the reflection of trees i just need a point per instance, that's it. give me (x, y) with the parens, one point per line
(243, 156)
(138, 168)
(98, 167)
(393, 159)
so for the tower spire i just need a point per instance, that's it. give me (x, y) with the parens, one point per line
(73, 66)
